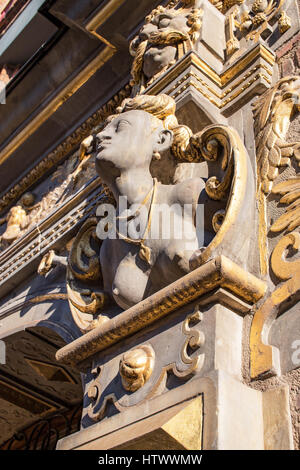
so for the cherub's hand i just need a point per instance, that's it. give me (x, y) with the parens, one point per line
(85, 146)
(49, 260)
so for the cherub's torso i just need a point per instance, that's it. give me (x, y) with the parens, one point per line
(128, 278)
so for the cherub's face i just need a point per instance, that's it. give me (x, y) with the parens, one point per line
(127, 141)
(158, 56)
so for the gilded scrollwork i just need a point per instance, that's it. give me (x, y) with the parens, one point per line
(167, 34)
(273, 112)
(83, 277)
(290, 192)
(264, 357)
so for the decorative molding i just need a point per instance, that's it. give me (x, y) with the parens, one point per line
(61, 97)
(290, 192)
(195, 340)
(220, 272)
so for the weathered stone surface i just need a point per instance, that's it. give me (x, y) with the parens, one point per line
(277, 420)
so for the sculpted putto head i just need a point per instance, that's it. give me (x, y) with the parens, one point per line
(155, 47)
(144, 126)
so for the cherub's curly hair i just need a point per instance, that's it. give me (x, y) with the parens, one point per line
(163, 107)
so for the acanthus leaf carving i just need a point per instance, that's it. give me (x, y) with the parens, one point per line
(273, 112)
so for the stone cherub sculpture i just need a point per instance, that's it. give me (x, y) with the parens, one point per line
(106, 275)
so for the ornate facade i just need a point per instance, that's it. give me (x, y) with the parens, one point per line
(150, 222)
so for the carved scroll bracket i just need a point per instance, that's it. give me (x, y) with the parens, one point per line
(264, 357)
(273, 112)
(195, 340)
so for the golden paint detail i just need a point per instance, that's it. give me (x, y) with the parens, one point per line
(46, 263)
(224, 5)
(220, 272)
(284, 22)
(136, 367)
(69, 145)
(220, 80)
(260, 16)
(222, 95)
(253, 22)
(264, 357)
(218, 219)
(231, 98)
(219, 93)
(17, 219)
(223, 144)
(272, 115)
(183, 41)
(60, 98)
(84, 279)
(232, 44)
(48, 297)
(42, 237)
(101, 17)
